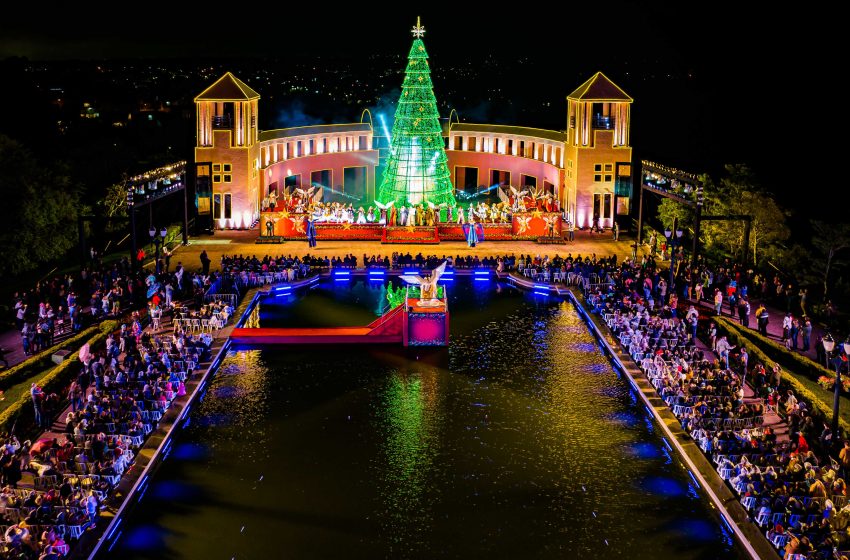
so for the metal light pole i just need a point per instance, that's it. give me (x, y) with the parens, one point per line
(672, 236)
(836, 398)
(829, 346)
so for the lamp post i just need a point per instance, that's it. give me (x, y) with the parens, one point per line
(835, 400)
(152, 234)
(157, 240)
(672, 235)
(829, 346)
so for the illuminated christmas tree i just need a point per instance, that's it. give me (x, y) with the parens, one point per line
(417, 169)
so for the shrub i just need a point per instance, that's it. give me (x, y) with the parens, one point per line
(55, 379)
(805, 389)
(778, 353)
(41, 360)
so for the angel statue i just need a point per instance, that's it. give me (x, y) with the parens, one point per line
(385, 209)
(516, 196)
(308, 193)
(428, 286)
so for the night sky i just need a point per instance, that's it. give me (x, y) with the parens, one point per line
(748, 66)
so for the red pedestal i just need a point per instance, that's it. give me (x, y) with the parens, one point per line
(411, 234)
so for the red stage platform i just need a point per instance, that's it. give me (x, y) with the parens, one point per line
(525, 225)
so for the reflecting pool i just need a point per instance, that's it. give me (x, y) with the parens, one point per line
(518, 441)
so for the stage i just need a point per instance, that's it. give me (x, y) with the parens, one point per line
(523, 226)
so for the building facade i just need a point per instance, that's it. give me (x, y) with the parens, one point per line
(587, 169)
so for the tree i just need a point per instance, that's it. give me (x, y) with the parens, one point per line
(739, 194)
(830, 241)
(42, 223)
(114, 201)
(417, 169)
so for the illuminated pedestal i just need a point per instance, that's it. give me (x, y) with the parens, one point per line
(426, 325)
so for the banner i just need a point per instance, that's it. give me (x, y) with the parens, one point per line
(531, 225)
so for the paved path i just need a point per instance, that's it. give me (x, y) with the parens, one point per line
(774, 325)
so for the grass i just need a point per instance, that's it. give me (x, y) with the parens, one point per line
(15, 392)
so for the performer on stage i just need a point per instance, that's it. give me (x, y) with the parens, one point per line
(311, 232)
(361, 216)
(272, 200)
(370, 215)
(449, 214)
(460, 217)
(473, 231)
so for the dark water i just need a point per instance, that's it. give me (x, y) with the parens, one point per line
(519, 441)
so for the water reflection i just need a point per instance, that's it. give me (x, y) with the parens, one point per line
(519, 441)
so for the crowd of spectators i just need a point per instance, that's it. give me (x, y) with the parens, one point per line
(786, 472)
(116, 400)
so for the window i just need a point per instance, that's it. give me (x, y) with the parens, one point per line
(227, 206)
(609, 167)
(597, 167)
(216, 206)
(607, 178)
(228, 178)
(227, 168)
(597, 178)
(216, 167)
(607, 205)
(570, 163)
(216, 178)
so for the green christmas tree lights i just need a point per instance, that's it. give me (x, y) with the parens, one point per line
(417, 170)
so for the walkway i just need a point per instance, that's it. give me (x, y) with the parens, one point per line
(774, 325)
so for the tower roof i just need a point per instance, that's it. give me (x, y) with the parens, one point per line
(228, 88)
(599, 88)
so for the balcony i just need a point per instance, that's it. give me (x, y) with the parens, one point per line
(602, 122)
(222, 123)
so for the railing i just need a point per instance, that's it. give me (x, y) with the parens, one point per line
(219, 123)
(229, 298)
(602, 122)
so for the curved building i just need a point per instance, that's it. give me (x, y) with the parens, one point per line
(587, 169)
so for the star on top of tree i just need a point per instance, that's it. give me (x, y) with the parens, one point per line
(418, 31)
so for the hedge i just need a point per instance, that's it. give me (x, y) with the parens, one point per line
(56, 379)
(41, 360)
(803, 387)
(777, 352)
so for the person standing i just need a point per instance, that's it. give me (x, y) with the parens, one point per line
(795, 331)
(205, 262)
(311, 232)
(844, 458)
(37, 397)
(723, 348)
(745, 360)
(786, 330)
(571, 228)
(762, 318)
(20, 313)
(804, 294)
(718, 302)
(807, 334)
(615, 230)
(166, 254)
